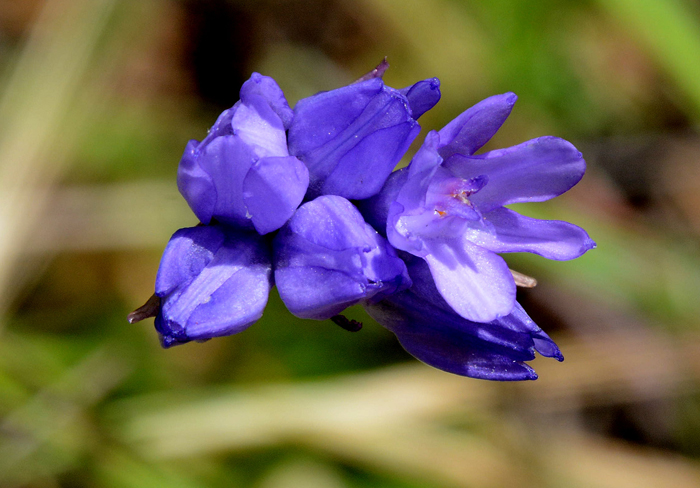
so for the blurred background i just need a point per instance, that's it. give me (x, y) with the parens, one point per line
(97, 101)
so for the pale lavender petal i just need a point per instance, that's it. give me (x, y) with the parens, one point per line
(195, 184)
(272, 191)
(449, 196)
(410, 201)
(474, 127)
(517, 321)
(260, 127)
(239, 300)
(426, 158)
(222, 126)
(227, 160)
(508, 231)
(533, 171)
(267, 88)
(475, 282)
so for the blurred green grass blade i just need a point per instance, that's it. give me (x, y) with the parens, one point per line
(670, 30)
(120, 469)
(34, 100)
(47, 434)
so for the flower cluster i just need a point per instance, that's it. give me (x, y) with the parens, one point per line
(308, 200)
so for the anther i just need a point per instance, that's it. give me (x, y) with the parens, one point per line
(523, 280)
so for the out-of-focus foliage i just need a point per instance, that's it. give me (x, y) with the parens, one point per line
(97, 101)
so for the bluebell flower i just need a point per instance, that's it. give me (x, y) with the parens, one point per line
(241, 181)
(446, 294)
(241, 174)
(428, 328)
(448, 207)
(213, 281)
(326, 258)
(352, 138)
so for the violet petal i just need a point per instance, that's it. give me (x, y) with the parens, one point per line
(260, 127)
(475, 126)
(422, 96)
(213, 281)
(451, 343)
(272, 191)
(475, 282)
(227, 161)
(430, 330)
(508, 231)
(195, 184)
(533, 171)
(335, 132)
(375, 210)
(327, 258)
(268, 89)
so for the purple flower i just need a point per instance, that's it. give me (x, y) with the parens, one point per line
(447, 207)
(327, 259)
(241, 181)
(242, 174)
(446, 294)
(212, 281)
(352, 138)
(428, 328)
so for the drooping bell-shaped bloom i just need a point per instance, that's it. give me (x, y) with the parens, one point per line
(352, 138)
(213, 281)
(242, 174)
(326, 258)
(447, 207)
(430, 330)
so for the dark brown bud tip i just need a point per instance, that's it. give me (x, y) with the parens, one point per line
(377, 72)
(148, 309)
(347, 324)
